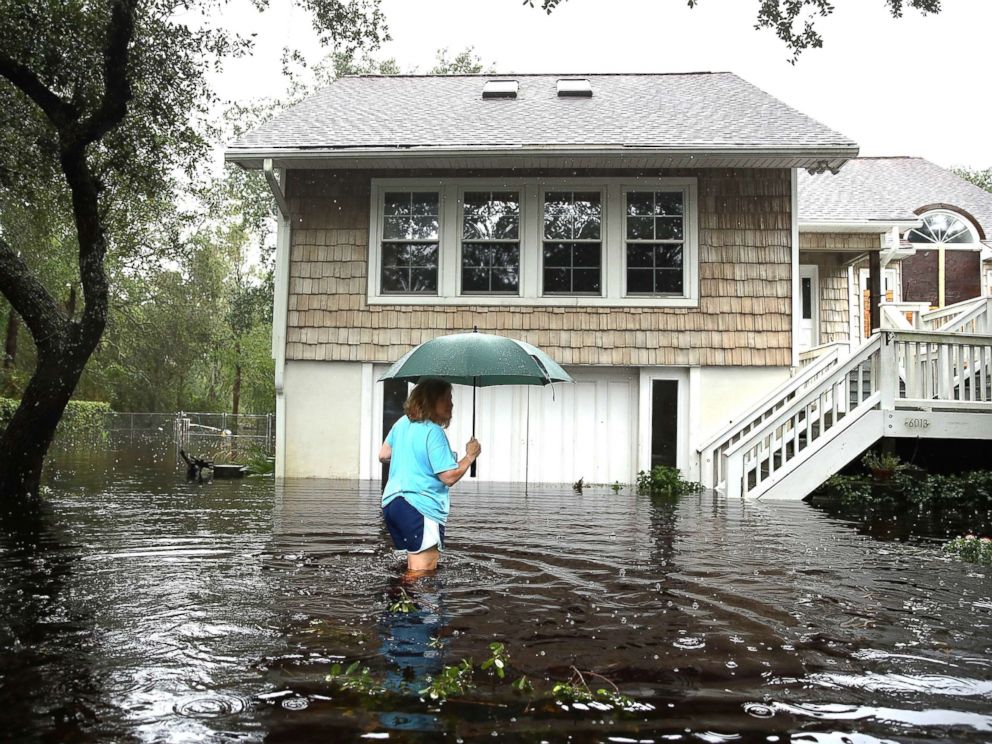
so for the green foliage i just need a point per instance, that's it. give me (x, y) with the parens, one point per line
(665, 481)
(355, 678)
(886, 462)
(617, 487)
(981, 178)
(497, 660)
(971, 548)
(914, 487)
(451, 681)
(465, 62)
(80, 417)
(404, 604)
(794, 21)
(523, 686)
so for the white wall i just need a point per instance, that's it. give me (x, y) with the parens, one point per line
(323, 419)
(727, 392)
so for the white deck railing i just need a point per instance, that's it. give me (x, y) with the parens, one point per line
(917, 370)
(711, 452)
(939, 320)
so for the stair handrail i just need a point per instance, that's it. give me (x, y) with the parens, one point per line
(765, 407)
(836, 376)
(929, 319)
(979, 316)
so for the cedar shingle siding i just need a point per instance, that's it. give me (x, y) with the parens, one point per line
(743, 316)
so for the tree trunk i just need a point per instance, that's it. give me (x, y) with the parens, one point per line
(236, 395)
(28, 436)
(10, 348)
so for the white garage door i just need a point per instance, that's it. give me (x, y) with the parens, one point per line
(553, 434)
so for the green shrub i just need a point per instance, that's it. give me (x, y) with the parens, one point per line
(667, 481)
(971, 548)
(80, 417)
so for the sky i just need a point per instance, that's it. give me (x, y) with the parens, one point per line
(909, 86)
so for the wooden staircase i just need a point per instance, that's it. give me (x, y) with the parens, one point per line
(900, 383)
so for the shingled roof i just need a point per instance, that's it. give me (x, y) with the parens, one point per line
(889, 189)
(692, 114)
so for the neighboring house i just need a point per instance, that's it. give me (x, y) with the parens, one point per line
(941, 223)
(642, 229)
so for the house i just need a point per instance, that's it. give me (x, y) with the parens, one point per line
(944, 235)
(642, 229)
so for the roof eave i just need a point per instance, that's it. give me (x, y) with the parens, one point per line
(708, 156)
(857, 226)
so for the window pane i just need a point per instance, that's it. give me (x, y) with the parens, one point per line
(425, 203)
(423, 280)
(556, 280)
(394, 280)
(397, 203)
(475, 280)
(506, 255)
(557, 254)
(640, 228)
(505, 279)
(668, 202)
(423, 254)
(394, 228)
(557, 217)
(640, 281)
(587, 212)
(491, 215)
(807, 298)
(668, 256)
(668, 281)
(586, 255)
(474, 254)
(640, 203)
(668, 228)
(640, 255)
(585, 280)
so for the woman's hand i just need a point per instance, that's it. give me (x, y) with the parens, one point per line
(473, 449)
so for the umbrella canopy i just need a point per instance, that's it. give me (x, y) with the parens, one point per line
(478, 359)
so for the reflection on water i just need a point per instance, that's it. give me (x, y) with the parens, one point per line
(142, 607)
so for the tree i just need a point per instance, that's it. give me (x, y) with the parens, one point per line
(794, 21)
(981, 178)
(104, 103)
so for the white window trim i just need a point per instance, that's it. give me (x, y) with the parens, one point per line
(531, 241)
(460, 210)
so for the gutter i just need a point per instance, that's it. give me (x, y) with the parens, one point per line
(819, 158)
(280, 309)
(858, 226)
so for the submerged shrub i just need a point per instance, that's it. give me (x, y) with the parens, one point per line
(665, 480)
(80, 417)
(971, 548)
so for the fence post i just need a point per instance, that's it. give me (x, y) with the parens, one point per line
(888, 383)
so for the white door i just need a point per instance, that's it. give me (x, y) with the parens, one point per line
(553, 434)
(809, 295)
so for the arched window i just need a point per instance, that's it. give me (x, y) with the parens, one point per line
(942, 227)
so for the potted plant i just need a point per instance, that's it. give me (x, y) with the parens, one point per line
(881, 465)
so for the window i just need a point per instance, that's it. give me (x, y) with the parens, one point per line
(490, 242)
(583, 241)
(655, 235)
(940, 228)
(410, 238)
(573, 245)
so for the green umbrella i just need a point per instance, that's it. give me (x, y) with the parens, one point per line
(479, 360)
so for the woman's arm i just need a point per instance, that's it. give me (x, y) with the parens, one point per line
(451, 477)
(385, 453)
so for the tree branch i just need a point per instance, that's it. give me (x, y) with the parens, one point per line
(61, 113)
(116, 85)
(28, 296)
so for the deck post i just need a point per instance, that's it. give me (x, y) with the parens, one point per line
(875, 289)
(733, 476)
(888, 382)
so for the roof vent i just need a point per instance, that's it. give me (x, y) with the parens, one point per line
(500, 89)
(574, 88)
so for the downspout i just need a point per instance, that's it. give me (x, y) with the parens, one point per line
(797, 307)
(280, 309)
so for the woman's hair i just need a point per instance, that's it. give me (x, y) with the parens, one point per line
(422, 403)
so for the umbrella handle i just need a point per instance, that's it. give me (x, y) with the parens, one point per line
(472, 469)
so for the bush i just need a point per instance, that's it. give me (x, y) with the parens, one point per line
(664, 480)
(912, 486)
(971, 548)
(80, 416)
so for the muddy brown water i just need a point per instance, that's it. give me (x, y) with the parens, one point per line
(137, 607)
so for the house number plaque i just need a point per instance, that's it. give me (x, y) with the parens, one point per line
(917, 423)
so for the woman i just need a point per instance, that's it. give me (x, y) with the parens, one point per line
(421, 469)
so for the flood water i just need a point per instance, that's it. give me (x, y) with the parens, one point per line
(138, 607)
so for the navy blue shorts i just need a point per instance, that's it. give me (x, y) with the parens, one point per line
(411, 530)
